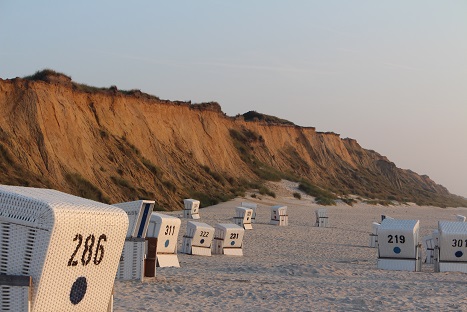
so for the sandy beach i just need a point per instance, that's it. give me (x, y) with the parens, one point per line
(299, 267)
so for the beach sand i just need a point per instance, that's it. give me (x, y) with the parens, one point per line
(299, 267)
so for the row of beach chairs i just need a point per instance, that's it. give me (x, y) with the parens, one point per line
(400, 248)
(61, 252)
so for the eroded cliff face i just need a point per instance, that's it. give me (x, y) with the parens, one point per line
(115, 147)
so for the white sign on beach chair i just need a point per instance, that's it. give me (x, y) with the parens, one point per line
(198, 239)
(374, 235)
(321, 217)
(243, 217)
(69, 246)
(451, 252)
(398, 245)
(164, 229)
(131, 265)
(279, 216)
(191, 208)
(252, 206)
(228, 239)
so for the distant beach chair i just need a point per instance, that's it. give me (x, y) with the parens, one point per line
(374, 235)
(252, 206)
(279, 216)
(58, 250)
(198, 239)
(191, 209)
(451, 252)
(460, 218)
(131, 266)
(228, 239)
(243, 217)
(386, 217)
(398, 245)
(162, 238)
(430, 242)
(321, 217)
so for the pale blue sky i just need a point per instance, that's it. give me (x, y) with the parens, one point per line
(390, 74)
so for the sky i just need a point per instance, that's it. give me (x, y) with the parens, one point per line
(391, 74)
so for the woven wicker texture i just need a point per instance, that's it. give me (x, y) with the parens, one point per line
(131, 263)
(69, 245)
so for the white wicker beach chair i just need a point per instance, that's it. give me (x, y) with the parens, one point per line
(191, 208)
(321, 217)
(252, 206)
(398, 245)
(243, 217)
(460, 218)
(164, 229)
(69, 246)
(279, 216)
(228, 239)
(451, 250)
(198, 239)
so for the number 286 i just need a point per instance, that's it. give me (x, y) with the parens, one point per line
(88, 251)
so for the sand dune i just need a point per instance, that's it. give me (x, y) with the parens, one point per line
(300, 267)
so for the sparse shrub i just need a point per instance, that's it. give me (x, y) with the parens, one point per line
(151, 167)
(122, 182)
(170, 186)
(265, 191)
(349, 201)
(84, 188)
(104, 134)
(325, 201)
(297, 195)
(315, 191)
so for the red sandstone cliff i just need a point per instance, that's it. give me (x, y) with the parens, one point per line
(117, 146)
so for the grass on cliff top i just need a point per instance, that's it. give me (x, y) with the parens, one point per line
(255, 116)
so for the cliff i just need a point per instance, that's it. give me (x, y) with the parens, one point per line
(114, 146)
